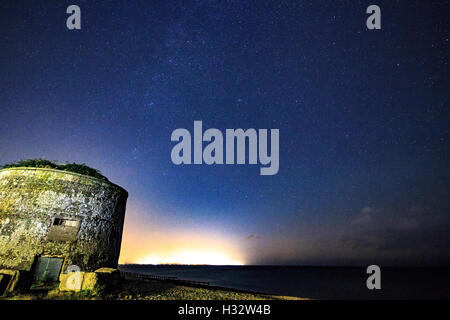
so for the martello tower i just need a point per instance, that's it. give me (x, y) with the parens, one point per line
(50, 219)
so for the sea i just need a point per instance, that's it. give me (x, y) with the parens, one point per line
(330, 283)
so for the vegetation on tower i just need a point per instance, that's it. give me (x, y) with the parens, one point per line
(70, 167)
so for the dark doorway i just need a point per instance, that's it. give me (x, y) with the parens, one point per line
(4, 282)
(47, 269)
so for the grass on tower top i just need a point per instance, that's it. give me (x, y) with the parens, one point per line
(70, 167)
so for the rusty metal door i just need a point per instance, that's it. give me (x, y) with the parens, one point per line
(47, 269)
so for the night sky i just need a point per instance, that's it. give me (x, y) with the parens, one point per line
(363, 118)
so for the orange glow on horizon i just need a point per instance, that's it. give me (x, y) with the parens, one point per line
(192, 257)
(142, 243)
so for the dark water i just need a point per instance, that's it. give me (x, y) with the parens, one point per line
(314, 282)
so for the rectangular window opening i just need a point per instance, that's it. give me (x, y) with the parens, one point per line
(63, 229)
(65, 222)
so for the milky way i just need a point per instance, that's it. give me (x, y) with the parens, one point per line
(363, 119)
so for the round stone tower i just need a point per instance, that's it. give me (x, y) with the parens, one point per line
(51, 219)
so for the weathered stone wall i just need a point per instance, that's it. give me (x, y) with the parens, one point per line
(30, 200)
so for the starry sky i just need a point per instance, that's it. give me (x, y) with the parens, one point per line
(363, 118)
